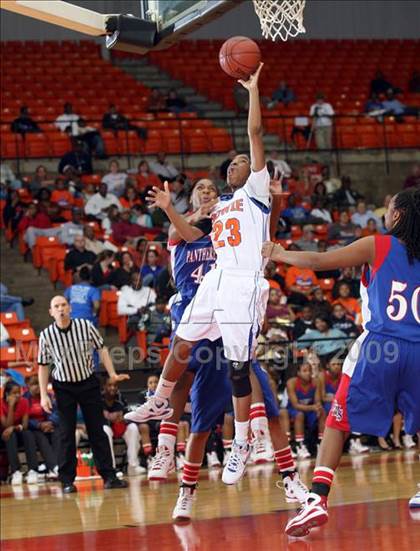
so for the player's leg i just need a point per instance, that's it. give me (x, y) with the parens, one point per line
(262, 451)
(131, 438)
(181, 441)
(396, 430)
(227, 433)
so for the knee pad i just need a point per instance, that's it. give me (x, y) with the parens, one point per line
(239, 375)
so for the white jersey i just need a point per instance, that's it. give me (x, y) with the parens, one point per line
(241, 223)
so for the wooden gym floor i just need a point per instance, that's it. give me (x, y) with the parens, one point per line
(368, 512)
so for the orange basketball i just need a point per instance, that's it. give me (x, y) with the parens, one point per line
(239, 57)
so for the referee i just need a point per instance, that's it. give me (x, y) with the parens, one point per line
(68, 345)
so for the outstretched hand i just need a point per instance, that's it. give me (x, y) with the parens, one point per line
(159, 198)
(252, 82)
(118, 378)
(203, 211)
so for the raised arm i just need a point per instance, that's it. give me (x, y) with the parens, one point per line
(360, 252)
(255, 129)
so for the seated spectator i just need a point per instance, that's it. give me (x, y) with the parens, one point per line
(36, 223)
(394, 107)
(134, 299)
(303, 322)
(283, 94)
(320, 212)
(374, 106)
(342, 321)
(23, 123)
(307, 241)
(414, 179)
(124, 231)
(67, 122)
(300, 282)
(323, 340)
(179, 195)
(77, 158)
(175, 103)
(414, 83)
(163, 168)
(347, 276)
(83, 297)
(42, 427)
(11, 303)
(112, 216)
(91, 138)
(61, 195)
(78, 256)
(97, 246)
(15, 433)
(8, 178)
(346, 196)
(371, 228)
(331, 183)
(294, 213)
(130, 197)
(319, 303)
(275, 280)
(98, 205)
(102, 268)
(156, 101)
(362, 214)
(13, 210)
(330, 380)
(320, 191)
(122, 276)
(225, 164)
(113, 120)
(379, 85)
(277, 306)
(350, 304)
(115, 178)
(342, 231)
(114, 409)
(88, 192)
(146, 179)
(380, 211)
(151, 269)
(70, 230)
(143, 217)
(73, 180)
(158, 322)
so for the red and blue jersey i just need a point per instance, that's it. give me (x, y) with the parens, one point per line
(390, 291)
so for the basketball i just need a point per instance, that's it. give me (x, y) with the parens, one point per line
(239, 57)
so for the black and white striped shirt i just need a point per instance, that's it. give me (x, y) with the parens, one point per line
(70, 350)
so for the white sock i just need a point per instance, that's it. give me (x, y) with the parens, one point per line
(164, 389)
(241, 431)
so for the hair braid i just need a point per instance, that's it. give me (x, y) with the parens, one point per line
(408, 226)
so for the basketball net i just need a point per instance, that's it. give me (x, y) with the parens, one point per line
(280, 18)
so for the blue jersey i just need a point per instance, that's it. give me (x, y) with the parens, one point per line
(390, 291)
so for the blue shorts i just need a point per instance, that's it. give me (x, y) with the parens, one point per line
(211, 390)
(271, 407)
(310, 416)
(381, 374)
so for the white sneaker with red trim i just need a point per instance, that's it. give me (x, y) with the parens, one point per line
(153, 409)
(294, 489)
(313, 513)
(162, 464)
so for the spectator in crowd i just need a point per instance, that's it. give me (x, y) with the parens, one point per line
(114, 410)
(78, 256)
(331, 183)
(379, 85)
(283, 94)
(342, 321)
(90, 137)
(102, 268)
(320, 191)
(294, 214)
(241, 98)
(96, 246)
(42, 426)
(319, 303)
(156, 101)
(11, 303)
(307, 242)
(323, 340)
(70, 230)
(115, 178)
(414, 83)
(146, 179)
(346, 196)
(413, 180)
(163, 168)
(13, 210)
(124, 231)
(277, 306)
(343, 230)
(303, 322)
(179, 195)
(373, 106)
(73, 180)
(151, 268)
(130, 197)
(158, 322)
(8, 178)
(275, 280)
(113, 120)
(347, 276)
(362, 214)
(134, 299)
(23, 123)
(112, 216)
(98, 205)
(15, 433)
(393, 106)
(175, 103)
(77, 158)
(225, 164)
(350, 304)
(319, 211)
(36, 223)
(380, 211)
(300, 283)
(322, 114)
(123, 274)
(371, 227)
(67, 121)
(143, 217)
(88, 192)
(61, 195)
(282, 169)
(84, 298)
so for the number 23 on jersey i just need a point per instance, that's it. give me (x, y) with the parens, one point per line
(228, 232)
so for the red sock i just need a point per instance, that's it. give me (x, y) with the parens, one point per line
(284, 460)
(190, 473)
(258, 418)
(147, 449)
(180, 447)
(299, 438)
(322, 480)
(167, 434)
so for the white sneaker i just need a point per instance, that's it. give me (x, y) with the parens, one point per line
(313, 513)
(150, 410)
(226, 455)
(32, 477)
(179, 461)
(119, 475)
(136, 470)
(408, 441)
(357, 447)
(212, 460)
(53, 475)
(261, 450)
(17, 478)
(414, 502)
(162, 464)
(302, 451)
(184, 504)
(294, 488)
(235, 467)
